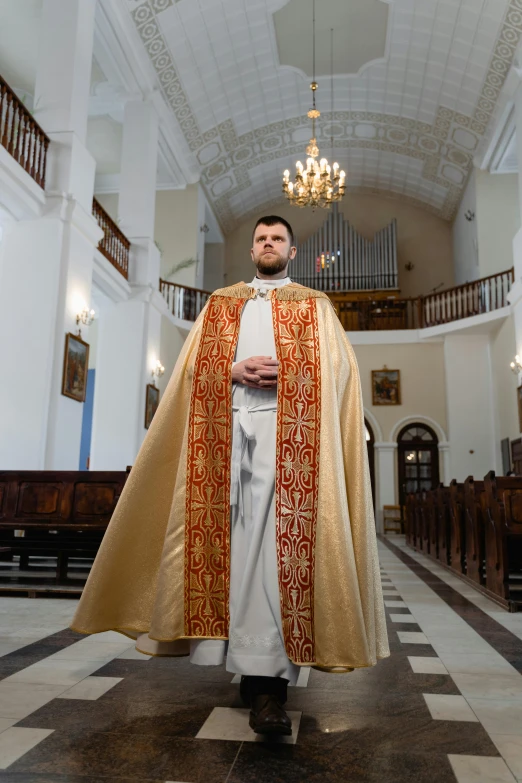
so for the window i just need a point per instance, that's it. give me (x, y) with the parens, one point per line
(418, 460)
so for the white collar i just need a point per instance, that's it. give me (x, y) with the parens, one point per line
(268, 284)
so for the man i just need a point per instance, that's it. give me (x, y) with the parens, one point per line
(245, 531)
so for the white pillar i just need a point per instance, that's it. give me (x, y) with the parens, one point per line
(444, 462)
(470, 406)
(47, 261)
(130, 332)
(137, 201)
(385, 481)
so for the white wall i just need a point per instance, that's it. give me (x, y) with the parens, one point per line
(422, 382)
(470, 404)
(498, 220)
(214, 266)
(502, 346)
(465, 236)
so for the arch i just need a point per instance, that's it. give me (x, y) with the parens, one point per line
(374, 424)
(418, 419)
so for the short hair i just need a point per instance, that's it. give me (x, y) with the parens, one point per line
(273, 220)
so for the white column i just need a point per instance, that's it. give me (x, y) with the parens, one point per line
(137, 201)
(130, 332)
(47, 261)
(470, 406)
(515, 295)
(444, 462)
(385, 479)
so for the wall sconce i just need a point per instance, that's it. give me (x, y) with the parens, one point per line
(516, 366)
(469, 215)
(157, 371)
(85, 317)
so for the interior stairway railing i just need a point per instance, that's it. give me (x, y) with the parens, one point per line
(21, 135)
(114, 246)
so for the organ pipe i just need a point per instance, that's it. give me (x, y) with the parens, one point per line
(338, 258)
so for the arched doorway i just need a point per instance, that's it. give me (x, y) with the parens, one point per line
(370, 445)
(418, 455)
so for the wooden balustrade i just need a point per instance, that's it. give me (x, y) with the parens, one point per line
(480, 296)
(474, 529)
(185, 303)
(21, 135)
(363, 312)
(114, 246)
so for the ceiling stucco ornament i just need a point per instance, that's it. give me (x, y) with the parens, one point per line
(440, 145)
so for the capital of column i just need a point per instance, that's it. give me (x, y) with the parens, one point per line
(385, 446)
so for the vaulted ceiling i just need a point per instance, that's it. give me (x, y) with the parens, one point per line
(416, 85)
(408, 121)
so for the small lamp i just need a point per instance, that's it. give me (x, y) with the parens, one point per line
(516, 366)
(157, 371)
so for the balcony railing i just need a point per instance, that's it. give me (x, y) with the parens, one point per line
(184, 303)
(114, 246)
(480, 296)
(378, 312)
(373, 313)
(21, 135)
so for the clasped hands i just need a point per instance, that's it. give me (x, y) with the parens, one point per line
(258, 372)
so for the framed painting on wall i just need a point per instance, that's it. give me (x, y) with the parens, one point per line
(386, 387)
(75, 367)
(151, 403)
(519, 405)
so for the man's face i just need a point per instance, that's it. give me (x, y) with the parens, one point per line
(272, 251)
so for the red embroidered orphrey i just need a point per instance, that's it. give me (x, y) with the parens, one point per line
(207, 511)
(297, 469)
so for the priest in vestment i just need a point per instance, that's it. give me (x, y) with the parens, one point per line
(245, 532)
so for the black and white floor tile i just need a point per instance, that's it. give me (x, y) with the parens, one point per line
(445, 707)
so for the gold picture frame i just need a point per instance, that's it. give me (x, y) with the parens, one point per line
(75, 367)
(152, 398)
(386, 387)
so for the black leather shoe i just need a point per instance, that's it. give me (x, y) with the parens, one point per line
(243, 691)
(267, 716)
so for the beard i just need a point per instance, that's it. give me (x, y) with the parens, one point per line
(271, 266)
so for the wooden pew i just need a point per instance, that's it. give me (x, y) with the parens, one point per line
(502, 508)
(442, 509)
(410, 521)
(458, 527)
(61, 513)
(432, 521)
(423, 522)
(474, 524)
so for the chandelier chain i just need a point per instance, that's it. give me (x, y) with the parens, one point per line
(319, 184)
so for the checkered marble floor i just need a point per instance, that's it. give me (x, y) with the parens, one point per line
(446, 706)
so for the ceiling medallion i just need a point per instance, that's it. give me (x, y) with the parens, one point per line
(319, 185)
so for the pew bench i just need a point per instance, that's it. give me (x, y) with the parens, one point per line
(61, 514)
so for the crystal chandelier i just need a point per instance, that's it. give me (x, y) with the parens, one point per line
(319, 184)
